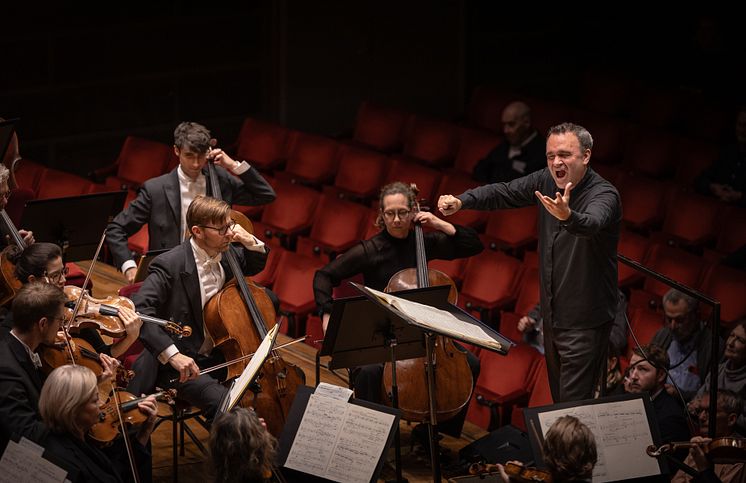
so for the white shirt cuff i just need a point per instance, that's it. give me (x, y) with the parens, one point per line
(167, 354)
(128, 264)
(242, 168)
(258, 245)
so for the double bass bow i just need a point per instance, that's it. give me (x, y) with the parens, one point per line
(237, 319)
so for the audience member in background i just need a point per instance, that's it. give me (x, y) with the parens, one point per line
(569, 450)
(725, 179)
(732, 371)
(241, 448)
(162, 202)
(69, 406)
(647, 373)
(687, 341)
(531, 325)
(729, 409)
(523, 152)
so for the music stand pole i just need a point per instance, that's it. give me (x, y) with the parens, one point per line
(391, 340)
(433, 406)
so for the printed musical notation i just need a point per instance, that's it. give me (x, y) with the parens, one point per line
(338, 440)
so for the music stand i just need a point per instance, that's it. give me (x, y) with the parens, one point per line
(7, 128)
(74, 223)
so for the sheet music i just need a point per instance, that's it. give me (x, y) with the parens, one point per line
(338, 440)
(622, 434)
(335, 392)
(23, 464)
(439, 320)
(251, 369)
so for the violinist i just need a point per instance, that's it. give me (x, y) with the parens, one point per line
(162, 202)
(43, 262)
(384, 254)
(179, 284)
(729, 408)
(69, 406)
(569, 449)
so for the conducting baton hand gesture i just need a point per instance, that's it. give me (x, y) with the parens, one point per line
(559, 206)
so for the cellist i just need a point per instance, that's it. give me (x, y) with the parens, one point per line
(179, 284)
(384, 254)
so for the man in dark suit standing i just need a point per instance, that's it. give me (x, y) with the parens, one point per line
(179, 284)
(162, 202)
(38, 310)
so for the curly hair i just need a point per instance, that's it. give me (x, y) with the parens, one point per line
(241, 449)
(570, 450)
(409, 191)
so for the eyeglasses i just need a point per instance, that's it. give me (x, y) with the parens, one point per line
(223, 229)
(57, 276)
(392, 214)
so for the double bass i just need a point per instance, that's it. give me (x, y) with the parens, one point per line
(237, 318)
(453, 377)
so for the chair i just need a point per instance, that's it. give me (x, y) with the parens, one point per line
(457, 183)
(528, 297)
(504, 380)
(475, 145)
(634, 247)
(693, 157)
(644, 200)
(453, 268)
(360, 173)
(29, 175)
(139, 160)
(728, 286)
(486, 106)
(511, 229)
(294, 287)
(337, 225)
(651, 153)
(267, 276)
(490, 283)
(427, 179)
(644, 324)
(262, 144)
(380, 127)
(60, 184)
(431, 141)
(541, 394)
(691, 220)
(311, 159)
(291, 213)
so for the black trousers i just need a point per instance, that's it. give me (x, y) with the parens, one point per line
(368, 384)
(576, 360)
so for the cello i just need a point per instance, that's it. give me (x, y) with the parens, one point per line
(453, 373)
(9, 283)
(237, 318)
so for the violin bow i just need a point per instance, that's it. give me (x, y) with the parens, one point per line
(125, 433)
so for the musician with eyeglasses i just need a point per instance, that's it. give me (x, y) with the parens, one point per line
(162, 202)
(389, 251)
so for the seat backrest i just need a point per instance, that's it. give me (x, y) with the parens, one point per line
(380, 127)
(361, 171)
(728, 286)
(513, 227)
(262, 143)
(433, 141)
(474, 145)
(492, 277)
(338, 224)
(677, 264)
(293, 209)
(142, 159)
(311, 157)
(427, 179)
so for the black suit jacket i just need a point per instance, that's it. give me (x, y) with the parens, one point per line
(497, 167)
(83, 462)
(158, 204)
(172, 290)
(20, 385)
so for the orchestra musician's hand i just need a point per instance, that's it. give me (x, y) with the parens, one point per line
(109, 365)
(188, 369)
(526, 323)
(222, 159)
(27, 236)
(149, 407)
(558, 207)
(242, 236)
(701, 463)
(448, 204)
(428, 219)
(131, 321)
(130, 275)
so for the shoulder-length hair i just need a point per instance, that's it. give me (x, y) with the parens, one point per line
(570, 450)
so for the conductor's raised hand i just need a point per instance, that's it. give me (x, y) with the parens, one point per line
(425, 218)
(559, 206)
(448, 204)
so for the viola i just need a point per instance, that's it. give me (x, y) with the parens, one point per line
(237, 318)
(74, 351)
(723, 450)
(516, 472)
(453, 378)
(109, 426)
(102, 314)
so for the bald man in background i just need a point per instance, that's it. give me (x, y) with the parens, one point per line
(522, 152)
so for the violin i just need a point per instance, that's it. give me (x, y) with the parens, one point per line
(725, 450)
(516, 472)
(102, 314)
(75, 351)
(109, 426)
(453, 377)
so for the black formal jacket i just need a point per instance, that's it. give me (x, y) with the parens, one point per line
(83, 462)
(20, 386)
(158, 204)
(578, 256)
(172, 290)
(496, 166)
